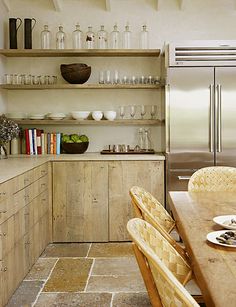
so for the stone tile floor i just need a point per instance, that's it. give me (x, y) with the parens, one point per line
(83, 274)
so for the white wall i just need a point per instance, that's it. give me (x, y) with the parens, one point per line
(199, 19)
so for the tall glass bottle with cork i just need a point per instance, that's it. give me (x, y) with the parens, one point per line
(60, 38)
(144, 38)
(102, 38)
(115, 38)
(77, 37)
(90, 38)
(127, 37)
(45, 38)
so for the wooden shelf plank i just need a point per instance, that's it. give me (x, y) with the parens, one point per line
(79, 86)
(117, 122)
(80, 52)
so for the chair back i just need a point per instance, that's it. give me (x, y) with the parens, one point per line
(213, 179)
(169, 269)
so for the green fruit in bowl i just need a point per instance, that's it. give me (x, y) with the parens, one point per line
(84, 138)
(65, 138)
(78, 141)
(74, 137)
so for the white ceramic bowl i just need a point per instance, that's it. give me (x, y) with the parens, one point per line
(56, 116)
(80, 114)
(97, 115)
(110, 115)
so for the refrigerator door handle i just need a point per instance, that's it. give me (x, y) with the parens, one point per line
(219, 129)
(211, 121)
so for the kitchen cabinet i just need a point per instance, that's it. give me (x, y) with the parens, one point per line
(24, 226)
(122, 176)
(80, 202)
(91, 200)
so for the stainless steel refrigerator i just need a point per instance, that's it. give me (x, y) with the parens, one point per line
(200, 109)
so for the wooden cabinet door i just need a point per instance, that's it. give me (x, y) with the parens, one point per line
(122, 176)
(80, 201)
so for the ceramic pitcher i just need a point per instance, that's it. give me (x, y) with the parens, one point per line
(13, 28)
(29, 24)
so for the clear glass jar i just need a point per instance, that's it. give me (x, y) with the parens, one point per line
(140, 139)
(115, 38)
(60, 38)
(77, 37)
(45, 38)
(147, 140)
(127, 38)
(90, 38)
(102, 38)
(144, 38)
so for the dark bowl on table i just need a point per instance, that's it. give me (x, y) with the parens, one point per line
(75, 148)
(65, 68)
(79, 76)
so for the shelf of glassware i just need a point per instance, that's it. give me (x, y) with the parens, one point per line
(80, 86)
(116, 122)
(80, 52)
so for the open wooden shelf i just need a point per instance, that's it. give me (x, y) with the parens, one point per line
(79, 86)
(117, 122)
(80, 52)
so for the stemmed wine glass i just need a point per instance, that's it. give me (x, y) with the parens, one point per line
(153, 111)
(132, 111)
(122, 111)
(143, 110)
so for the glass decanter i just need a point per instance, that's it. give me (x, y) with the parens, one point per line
(90, 39)
(60, 38)
(127, 38)
(147, 140)
(115, 38)
(77, 37)
(45, 38)
(102, 38)
(144, 38)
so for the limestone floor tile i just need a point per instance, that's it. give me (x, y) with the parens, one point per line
(26, 294)
(111, 250)
(131, 300)
(41, 269)
(115, 266)
(66, 250)
(115, 284)
(74, 300)
(69, 275)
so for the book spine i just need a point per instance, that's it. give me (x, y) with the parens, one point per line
(58, 151)
(42, 142)
(35, 141)
(51, 143)
(31, 142)
(48, 143)
(54, 143)
(27, 142)
(39, 145)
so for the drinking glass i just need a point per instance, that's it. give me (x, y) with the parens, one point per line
(132, 111)
(142, 110)
(101, 77)
(122, 111)
(108, 77)
(116, 79)
(153, 111)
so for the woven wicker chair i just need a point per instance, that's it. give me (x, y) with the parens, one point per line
(148, 208)
(213, 179)
(165, 270)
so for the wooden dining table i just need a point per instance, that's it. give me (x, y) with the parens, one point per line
(214, 266)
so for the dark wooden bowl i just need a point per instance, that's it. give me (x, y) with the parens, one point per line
(65, 68)
(75, 148)
(79, 76)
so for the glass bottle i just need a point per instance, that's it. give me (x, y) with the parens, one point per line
(140, 139)
(77, 37)
(127, 38)
(90, 39)
(60, 38)
(147, 140)
(102, 38)
(115, 38)
(144, 38)
(45, 38)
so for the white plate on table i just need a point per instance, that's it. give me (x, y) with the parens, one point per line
(224, 221)
(211, 237)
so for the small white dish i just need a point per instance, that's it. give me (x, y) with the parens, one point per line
(80, 115)
(224, 221)
(110, 115)
(56, 116)
(97, 115)
(211, 237)
(37, 116)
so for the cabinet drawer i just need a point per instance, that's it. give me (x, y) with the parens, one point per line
(5, 190)
(41, 171)
(7, 237)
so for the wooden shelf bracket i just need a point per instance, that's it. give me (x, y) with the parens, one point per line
(6, 4)
(57, 5)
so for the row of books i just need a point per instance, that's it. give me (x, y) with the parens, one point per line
(36, 142)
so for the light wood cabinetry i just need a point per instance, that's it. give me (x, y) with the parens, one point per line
(91, 199)
(122, 176)
(80, 202)
(24, 226)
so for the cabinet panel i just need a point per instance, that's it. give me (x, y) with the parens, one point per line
(122, 176)
(80, 202)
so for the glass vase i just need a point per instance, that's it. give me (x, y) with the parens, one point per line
(3, 151)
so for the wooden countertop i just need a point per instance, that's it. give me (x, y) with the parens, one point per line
(16, 165)
(213, 265)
